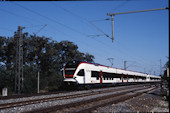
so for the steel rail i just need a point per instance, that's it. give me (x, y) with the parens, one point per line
(35, 101)
(73, 105)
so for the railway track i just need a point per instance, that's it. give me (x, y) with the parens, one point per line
(92, 104)
(109, 93)
(99, 102)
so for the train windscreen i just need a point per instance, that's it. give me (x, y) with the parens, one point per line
(69, 72)
(70, 68)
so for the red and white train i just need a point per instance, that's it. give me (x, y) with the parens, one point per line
(84, 73)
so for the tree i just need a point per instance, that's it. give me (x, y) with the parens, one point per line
(165, 72)
(89, 58)
(7, 59)
(39, 54)
(7, 52)
(6, 79)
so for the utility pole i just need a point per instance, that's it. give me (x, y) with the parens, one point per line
(113, 14)
(38, 82)
(160, 67)
(18, 37)
(19, 60)
(167, 71)
(125, 64)
(16, 60)
(111, 61)
(112, 29)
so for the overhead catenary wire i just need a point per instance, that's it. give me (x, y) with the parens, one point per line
(87, 21)
(113, 14)
(25, 18)
(93, 36)
(36, 26)
(79, 17)
(22, 18)
(117, 7)
(41, 28)
(16, 15)
(84, 20)
(96, 40)
(121, 4)
(129, 12)
(90, 37)
(48, 18)
(90, 22)
(99, 29)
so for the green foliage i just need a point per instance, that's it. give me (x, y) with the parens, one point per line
(6, 79)
(165, 72)
(40, 54)
(30, 85)
(165, 81)
(55, 81)
(30, 79)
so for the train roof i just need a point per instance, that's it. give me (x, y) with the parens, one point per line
(77, 62)
(97, 64)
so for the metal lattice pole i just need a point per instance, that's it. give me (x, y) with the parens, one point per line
(16, 61)
(19, 60)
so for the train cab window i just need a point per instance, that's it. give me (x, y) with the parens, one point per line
(81, 72)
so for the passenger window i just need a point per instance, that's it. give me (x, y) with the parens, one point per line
(81, 72)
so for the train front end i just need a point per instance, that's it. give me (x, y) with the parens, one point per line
(69, 73)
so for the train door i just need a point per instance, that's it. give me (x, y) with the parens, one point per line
(122, 77)
(87, 77)
(81, 76)
(101, 76)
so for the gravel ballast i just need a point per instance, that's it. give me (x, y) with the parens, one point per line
(148, 102)
(143, 103)
(53, 103)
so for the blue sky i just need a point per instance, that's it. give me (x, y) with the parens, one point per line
(142, 39)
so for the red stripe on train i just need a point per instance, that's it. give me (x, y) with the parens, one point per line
(69, 76)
